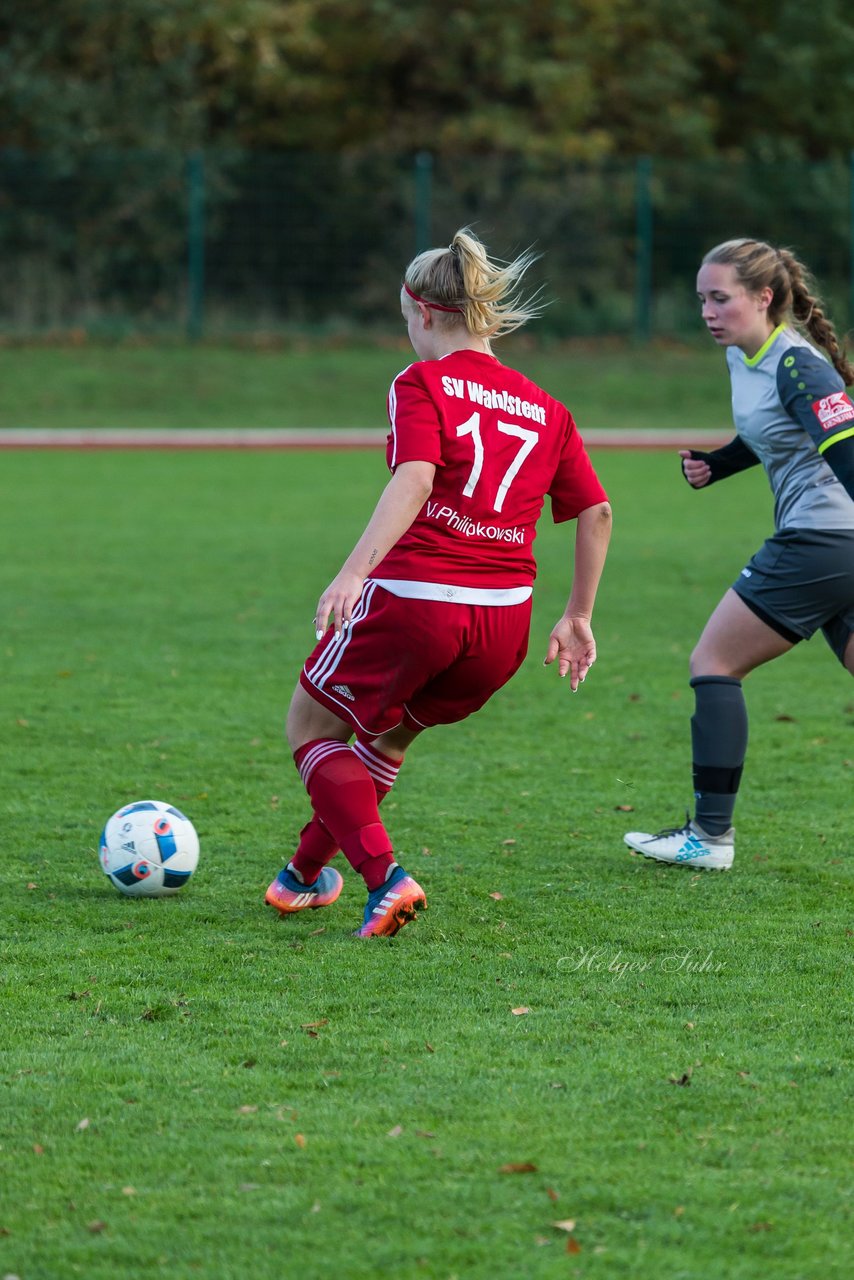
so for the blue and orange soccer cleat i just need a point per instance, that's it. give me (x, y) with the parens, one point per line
(288, 894)
(392, 906)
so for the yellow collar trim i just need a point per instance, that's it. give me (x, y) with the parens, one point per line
(750, 361)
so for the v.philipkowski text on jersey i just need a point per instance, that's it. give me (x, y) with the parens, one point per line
(499, 443)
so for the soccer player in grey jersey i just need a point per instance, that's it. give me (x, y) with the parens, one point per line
(793, 415)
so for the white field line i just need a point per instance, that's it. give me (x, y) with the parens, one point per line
(295, 438)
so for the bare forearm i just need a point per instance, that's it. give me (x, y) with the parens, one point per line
(592, 535)
(572, 642)
(399, 504)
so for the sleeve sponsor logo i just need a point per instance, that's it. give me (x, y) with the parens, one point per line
(832, 411)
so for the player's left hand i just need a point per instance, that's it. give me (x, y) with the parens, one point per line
(337, 603)
(571, 643)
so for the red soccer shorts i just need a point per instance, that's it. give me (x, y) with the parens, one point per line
(415, 662)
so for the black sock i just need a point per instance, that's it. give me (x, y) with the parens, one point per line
(719, 744)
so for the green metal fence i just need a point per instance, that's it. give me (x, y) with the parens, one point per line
(222, 243)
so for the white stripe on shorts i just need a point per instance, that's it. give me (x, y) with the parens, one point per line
(328, 661)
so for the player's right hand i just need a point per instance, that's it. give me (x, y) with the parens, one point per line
(335, 607)
(694, 468)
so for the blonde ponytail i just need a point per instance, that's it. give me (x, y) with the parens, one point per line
(463, 278)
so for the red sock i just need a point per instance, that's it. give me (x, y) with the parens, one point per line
(344, 799)
(317, 846)
(382, 768)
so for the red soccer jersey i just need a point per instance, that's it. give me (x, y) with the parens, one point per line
(500, 444)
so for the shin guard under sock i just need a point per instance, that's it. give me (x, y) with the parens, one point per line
(719, 745)
(344, 798)
(317, 846)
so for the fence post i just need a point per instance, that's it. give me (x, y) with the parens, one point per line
(643, 248)
(195, 243)
(423, 200)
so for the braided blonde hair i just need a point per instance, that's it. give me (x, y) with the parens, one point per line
(759, 266)
(464, 278)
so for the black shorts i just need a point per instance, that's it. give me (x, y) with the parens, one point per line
(800, 580)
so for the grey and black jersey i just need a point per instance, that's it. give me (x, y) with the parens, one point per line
(790, 409)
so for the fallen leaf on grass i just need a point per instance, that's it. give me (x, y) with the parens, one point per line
(309, 1026)
(624, 808)
(246, 1110)
(684, 1079)
(428, 1046)
(424, 1133)
(315, 932)
(395, 1132)
(565, 1224)
(517, 1013)
(552, 1194)
(96, 1226)
(128, 1191)
(38, 1149)
(518, 1166)
(299, 1139)
(572, 1245)
(82, 1125)
(497, 896)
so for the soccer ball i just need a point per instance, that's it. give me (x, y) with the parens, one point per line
(149, 849)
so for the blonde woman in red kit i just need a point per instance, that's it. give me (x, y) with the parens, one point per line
(429, 615)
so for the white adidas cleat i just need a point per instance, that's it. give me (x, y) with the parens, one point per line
(687, 846)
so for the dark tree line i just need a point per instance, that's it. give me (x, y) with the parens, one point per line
(560, 79)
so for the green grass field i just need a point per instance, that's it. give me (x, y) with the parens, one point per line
(574, 1064)
(606, 384)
